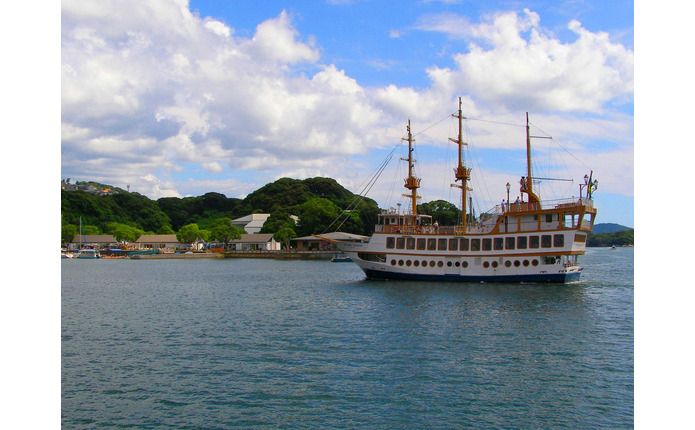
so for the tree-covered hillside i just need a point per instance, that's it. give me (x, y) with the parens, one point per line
(320, 204)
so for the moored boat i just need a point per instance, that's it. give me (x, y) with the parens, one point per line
(88, 253)
(526, 241)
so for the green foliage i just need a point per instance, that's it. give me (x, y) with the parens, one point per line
(68, 232)
(621, 238)
(284, 236)
(223, 231)
(277, 221)
(442, 211)
(316, 215)
(124, 232)
(90, 229)
(167, 215)
(188, 233)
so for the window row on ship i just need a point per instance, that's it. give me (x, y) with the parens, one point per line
(479, 244)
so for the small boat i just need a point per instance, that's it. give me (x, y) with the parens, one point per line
(527, 241)
(341, 258)
(88, 254)
(613, 248)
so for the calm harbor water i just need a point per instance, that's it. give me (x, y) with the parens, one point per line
(311, 344)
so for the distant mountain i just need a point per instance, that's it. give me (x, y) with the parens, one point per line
(609, 227)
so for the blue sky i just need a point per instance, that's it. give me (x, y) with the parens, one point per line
(179, 98)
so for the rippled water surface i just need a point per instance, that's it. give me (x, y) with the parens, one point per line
(311, 344)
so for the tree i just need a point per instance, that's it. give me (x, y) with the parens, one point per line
(188, 233)
(224, 231)
(68, 232)
(124, 232)
(284, 236)
(90, 229)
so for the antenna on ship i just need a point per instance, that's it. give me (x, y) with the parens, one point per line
(411, 182)
(461, 172)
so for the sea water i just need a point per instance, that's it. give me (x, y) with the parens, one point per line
(254, 343)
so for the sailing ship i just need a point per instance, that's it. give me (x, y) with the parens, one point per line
(526, 241)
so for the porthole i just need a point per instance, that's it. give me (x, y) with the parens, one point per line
(494, 264)
(486, 264)
(464, 264)
(517, 263)
(424, 263)
(507, 263)
(534, 262)
(416, 263)
(431, 263)
(400, 262)
(457, 264)
(525, 263)
(393, 262)
(448, 264)
(440, 264)
(408, 263)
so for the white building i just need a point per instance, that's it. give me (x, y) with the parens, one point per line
(251, 223)
(255, 242)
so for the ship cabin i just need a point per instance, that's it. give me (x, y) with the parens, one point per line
(396, 222)
(571, 214)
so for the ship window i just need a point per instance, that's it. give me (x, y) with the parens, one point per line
(533, 242)
(408, 263)
(486, 264)
(416, 263)
(431, 244)
(431, 263)
(549, 218)
(421, 243)
(453, 244)
(546, 241)
(548, 259)
(569, 220)
(521, 242)
(487, 244)
(410, 243)
(499, 242)
(510, 242)
(464, 264)
(424, 263)
(400, 242)
(580, 238)
(381, 258)
(440, 264)
(559, 240)
(400, 262)
(534, 262)
(464, 244)
(494, 264)
(393, 262)
(525, 263)
(516, 263)
(507, 263)
(475, 244)
(448, 263)
(441, 244)
(390, 242)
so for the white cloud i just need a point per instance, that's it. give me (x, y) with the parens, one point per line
(520, 66)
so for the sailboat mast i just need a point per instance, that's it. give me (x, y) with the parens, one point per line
(411, 182)
(461, 173)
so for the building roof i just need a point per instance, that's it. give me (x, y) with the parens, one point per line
(94, 238)
(338, 235)
(251, 221)
(157, 238)
(254, 238)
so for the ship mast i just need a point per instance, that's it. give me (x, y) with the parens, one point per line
(411, 182)
(527, 184)
(461, 172)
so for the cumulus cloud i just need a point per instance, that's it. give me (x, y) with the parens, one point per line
(513, 63)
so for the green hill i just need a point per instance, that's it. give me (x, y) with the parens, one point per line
(609, 227)
(316, 201)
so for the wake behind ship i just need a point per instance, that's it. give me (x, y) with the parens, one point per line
(526, 241)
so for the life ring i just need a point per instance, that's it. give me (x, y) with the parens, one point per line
(417, 229)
